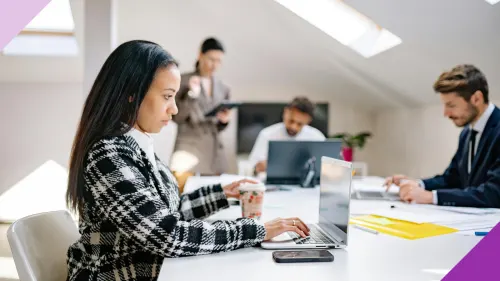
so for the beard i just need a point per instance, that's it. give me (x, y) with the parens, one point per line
(291, 132)
(472, 112)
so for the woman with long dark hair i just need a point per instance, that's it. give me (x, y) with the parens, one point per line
(131, 214)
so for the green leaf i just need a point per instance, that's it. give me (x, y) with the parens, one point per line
(358, 140)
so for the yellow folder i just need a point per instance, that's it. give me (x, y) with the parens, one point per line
(399, 228)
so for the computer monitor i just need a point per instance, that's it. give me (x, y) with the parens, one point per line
(286, 159)
(254, 117)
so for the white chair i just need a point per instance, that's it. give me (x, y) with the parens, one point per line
(39, 244)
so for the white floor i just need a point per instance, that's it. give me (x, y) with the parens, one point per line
(7, 267)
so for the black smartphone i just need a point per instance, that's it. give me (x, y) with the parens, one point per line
(302, 256)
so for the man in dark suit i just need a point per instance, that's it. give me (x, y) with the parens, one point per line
(473, 176)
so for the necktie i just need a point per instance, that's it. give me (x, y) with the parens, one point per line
(472, 140)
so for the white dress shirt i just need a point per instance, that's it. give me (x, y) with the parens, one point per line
(479, 127)
(278, 132)
(145, 142)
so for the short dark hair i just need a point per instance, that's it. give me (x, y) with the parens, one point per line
(463, 79)
(302, 104)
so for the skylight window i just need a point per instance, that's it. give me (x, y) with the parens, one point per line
(42, 45)
(344, 24)
(50, 33)
(492, 2)
(56, 16)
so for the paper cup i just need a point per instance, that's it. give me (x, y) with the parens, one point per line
(251, 200)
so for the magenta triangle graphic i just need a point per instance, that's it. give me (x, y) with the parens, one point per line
(482, 262)
(15, 15)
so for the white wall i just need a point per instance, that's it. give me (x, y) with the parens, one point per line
(418, 142)
(342, 117)
(38, 123)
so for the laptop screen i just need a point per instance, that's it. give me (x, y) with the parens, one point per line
(286, 159)
(335, 195)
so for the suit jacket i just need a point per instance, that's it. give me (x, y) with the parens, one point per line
(480, 188)
(198, 134)
(134, 217)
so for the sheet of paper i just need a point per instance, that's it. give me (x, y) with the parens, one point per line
(419, 215)
(472, 232)
(472, 224)
(401, 214)
(464, 210)
(362, 207)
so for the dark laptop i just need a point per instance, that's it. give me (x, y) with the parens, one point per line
(286, 159)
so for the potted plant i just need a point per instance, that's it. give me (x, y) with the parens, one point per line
(350, 142)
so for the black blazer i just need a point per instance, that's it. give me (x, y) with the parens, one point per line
(480, 188)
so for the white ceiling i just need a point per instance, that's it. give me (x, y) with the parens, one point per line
(272, 51)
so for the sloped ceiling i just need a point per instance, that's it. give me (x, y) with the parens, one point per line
(436, 36)
(270, 50)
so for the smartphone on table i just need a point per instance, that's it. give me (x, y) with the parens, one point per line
(302, 256)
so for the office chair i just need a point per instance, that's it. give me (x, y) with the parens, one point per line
(39, 244)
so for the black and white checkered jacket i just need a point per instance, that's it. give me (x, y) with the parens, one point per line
(134, 217)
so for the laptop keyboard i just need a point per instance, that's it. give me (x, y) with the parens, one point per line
(315, 237)
(371, 194)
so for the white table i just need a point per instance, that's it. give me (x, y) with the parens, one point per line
(367, 257)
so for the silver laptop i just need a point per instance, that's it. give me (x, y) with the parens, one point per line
(367, 189)
(331, 230)
(375, 195)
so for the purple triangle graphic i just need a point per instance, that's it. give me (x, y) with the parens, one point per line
(482, 262)
(15, 15)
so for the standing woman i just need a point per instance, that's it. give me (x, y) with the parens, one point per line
(131, 215)
(200, 91)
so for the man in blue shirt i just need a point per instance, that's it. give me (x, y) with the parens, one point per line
(473, 177)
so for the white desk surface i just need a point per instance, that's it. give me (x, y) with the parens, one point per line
(367, 257)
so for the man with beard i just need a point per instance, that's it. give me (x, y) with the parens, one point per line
(473, 176)
(297, 116)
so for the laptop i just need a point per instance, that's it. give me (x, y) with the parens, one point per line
(286, 159)
(331, 229)
(375, 195)
(373, 189)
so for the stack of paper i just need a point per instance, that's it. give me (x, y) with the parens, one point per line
(421, 215)
(419, 221)
(464, 210)
(472, 224)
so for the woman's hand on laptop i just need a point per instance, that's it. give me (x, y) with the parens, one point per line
(279, 226)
